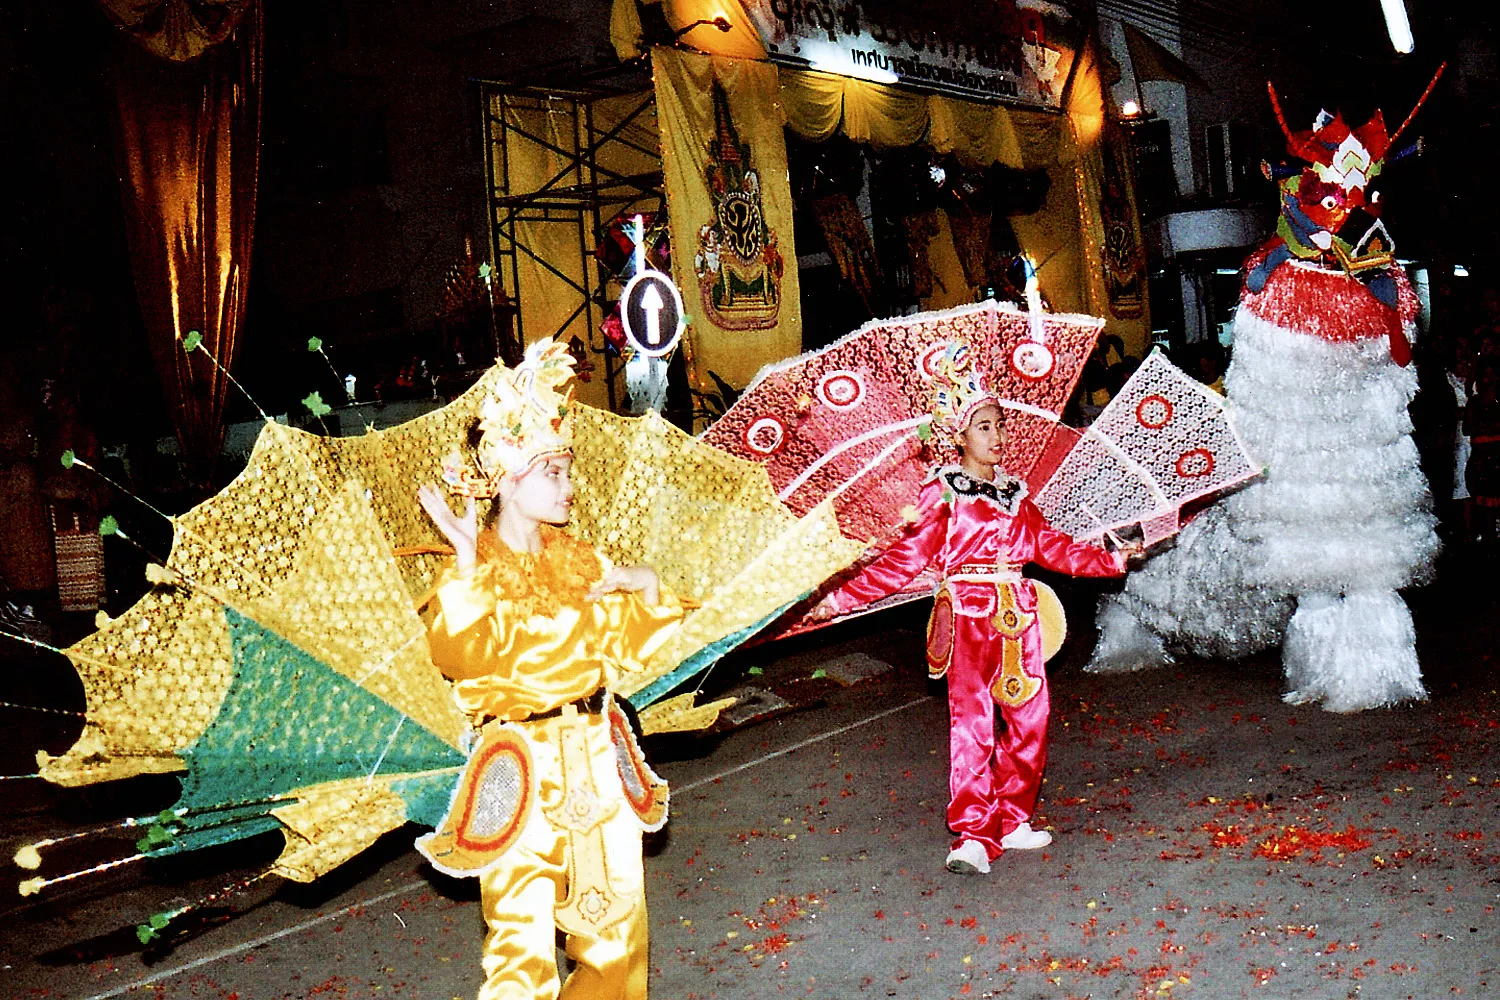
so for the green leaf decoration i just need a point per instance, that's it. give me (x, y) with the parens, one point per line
(108, 525)
(819, 674)
(485, 270)
(314, 402)
(154, 925)
(314, 343)
(924, 432)
(68, 458)
(156, 836)
(755, 671)
(192, 341)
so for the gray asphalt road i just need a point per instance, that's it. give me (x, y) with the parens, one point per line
(1211, 842)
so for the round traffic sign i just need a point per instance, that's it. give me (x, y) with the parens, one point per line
(651, 312)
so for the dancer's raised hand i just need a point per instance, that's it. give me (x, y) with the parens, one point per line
(462, 532)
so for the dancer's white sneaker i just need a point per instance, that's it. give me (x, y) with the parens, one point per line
(1024, 838)
(969, 858)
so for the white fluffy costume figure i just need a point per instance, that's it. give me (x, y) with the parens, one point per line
(1312, 555)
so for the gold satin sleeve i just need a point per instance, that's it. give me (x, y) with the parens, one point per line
(508, 665)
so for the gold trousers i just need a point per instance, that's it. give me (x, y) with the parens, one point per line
(520, 894)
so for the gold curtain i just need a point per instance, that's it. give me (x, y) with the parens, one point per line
(188, 136)
(817, 105)
(730, 207)
(1066, 236)
(178, 30)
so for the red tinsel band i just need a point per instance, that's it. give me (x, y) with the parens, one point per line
(1331, 305)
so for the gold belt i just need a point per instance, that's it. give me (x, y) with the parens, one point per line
(592, 704)
(987, 572)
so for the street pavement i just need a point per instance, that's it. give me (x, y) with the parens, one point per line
(1211, 842)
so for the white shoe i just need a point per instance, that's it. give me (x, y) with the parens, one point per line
(969, 858)
(1024, 838)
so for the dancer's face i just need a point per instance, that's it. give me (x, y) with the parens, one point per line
(984, 439)
(544, 492)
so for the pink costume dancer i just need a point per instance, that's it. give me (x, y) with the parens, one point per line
(976, 522)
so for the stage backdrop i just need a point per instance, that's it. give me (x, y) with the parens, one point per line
(1086, 236)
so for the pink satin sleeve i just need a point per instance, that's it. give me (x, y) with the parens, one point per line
(894, 568)
(1057, 551)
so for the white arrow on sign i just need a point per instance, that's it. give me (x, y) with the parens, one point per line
(651, 305)
(646, 306)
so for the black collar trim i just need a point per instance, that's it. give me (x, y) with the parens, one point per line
(1005, 491)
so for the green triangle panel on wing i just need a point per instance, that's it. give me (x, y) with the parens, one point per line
(289, 721)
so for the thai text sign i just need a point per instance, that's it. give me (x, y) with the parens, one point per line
(1016, 51)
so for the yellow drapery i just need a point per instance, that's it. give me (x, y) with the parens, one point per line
(1066, 235)
(530, 161)
(730, 206)
(188, 138)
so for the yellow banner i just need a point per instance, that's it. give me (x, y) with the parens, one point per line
(730, 210)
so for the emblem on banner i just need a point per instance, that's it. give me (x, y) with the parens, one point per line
(738, 264)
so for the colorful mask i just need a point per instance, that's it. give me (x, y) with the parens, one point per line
(1341, 164)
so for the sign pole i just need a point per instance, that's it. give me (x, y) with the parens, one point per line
(652, 313)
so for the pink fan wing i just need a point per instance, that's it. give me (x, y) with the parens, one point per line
(843, 420)
(1162, 442)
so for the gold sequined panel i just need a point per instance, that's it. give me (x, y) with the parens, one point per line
(679, 714)
(289, 544)
(646, 493)
(153, 679)
(345, 602)
(707, 522)
(393, 464)
(292, 545)
(330, 823)
(808, 552)
(288, 547)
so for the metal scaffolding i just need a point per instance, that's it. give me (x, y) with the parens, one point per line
(573, 197)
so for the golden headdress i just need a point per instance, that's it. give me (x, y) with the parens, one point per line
(526, 419)
(957, 390)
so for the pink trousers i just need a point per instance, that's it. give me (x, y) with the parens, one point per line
(993, 780)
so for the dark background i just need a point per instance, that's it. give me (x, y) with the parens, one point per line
(372, 172)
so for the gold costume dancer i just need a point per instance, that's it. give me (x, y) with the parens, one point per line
(534, 628)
